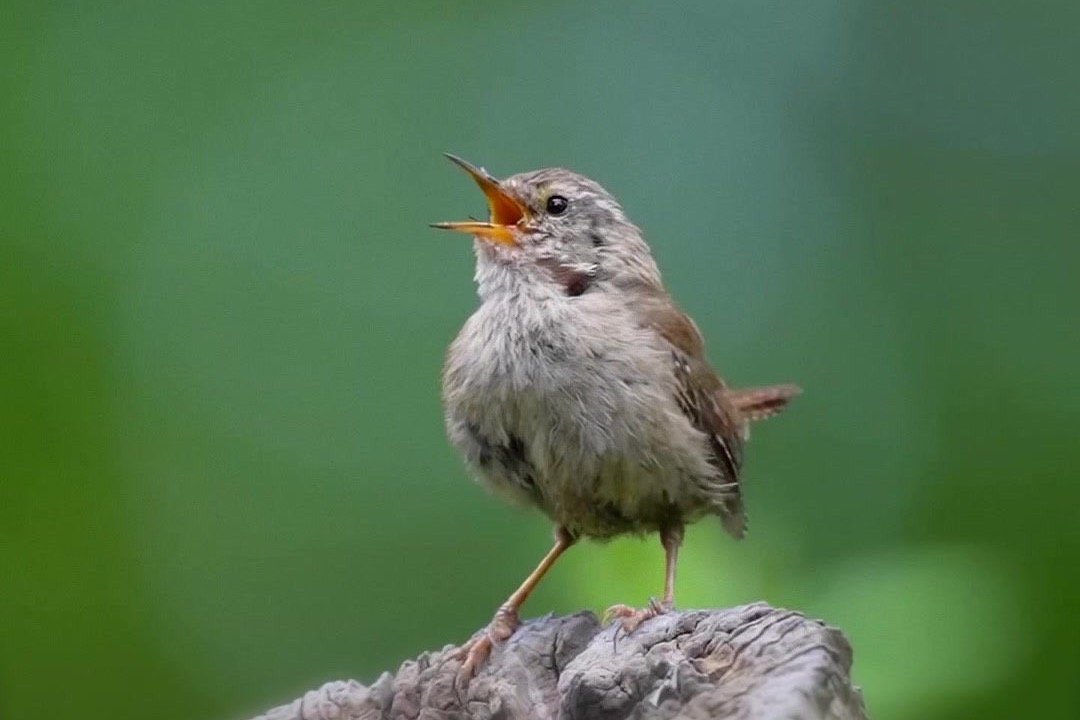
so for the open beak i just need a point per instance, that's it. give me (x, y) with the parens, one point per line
(506, 212)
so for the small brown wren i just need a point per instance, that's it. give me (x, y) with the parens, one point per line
(579, 386)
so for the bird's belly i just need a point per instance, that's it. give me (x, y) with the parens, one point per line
(584, 425)
(618, 495)
(630, 471)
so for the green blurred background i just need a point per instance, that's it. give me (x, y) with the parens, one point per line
(223, 476)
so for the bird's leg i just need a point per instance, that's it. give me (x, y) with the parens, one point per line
(671, 537)
(506, 619)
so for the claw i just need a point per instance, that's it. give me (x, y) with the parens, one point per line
(477, 651)
(630, 618)
(474, 654)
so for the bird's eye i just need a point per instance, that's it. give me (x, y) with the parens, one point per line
(557, 204)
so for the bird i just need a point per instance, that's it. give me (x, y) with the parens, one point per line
(579, 387)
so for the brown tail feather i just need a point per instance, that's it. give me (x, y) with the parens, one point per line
(762, 402)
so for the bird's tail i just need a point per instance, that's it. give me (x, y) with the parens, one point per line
(762, 402)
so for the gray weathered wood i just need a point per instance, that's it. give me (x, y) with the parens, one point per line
(747, 662)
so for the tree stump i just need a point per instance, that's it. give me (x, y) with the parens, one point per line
(753, 661)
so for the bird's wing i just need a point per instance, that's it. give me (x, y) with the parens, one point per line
(700, 394)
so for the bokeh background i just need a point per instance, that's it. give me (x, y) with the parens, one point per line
(223, 476)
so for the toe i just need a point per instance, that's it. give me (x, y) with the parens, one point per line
(617, 611)
(630, 623)
(476, 654)
(477, 651)
(630, 618)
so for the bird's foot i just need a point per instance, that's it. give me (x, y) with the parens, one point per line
(476, 652)
(630, 618)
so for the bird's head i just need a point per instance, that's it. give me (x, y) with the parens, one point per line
(560, 222)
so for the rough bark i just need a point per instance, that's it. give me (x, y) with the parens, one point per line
(753, 661)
